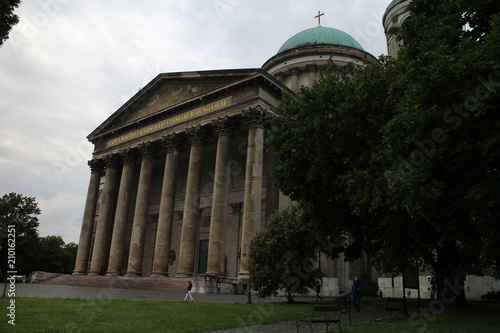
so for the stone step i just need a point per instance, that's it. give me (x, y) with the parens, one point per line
(121, 282)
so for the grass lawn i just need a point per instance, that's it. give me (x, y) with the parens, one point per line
(443, 323)
(83, 315)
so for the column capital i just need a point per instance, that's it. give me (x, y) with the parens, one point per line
(148, 149)
(96, 165)
(295, 71)
(237, 207)
(172, 141)
(224, 126)
(312, 68)
(111, 161)
(255, 117)
(129, 155)
(197, 135)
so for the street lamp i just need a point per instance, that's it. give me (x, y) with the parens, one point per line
(249, 299)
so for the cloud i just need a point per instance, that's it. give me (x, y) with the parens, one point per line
(68, 65)
(61, 215)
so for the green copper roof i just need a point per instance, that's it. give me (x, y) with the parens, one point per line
(320, 35)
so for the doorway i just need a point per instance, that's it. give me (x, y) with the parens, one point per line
(203, 257)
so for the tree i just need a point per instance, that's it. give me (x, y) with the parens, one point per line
(324, 142)
(443, 164)
(56, 256)
(283, 255)
(18, 217)
(404, 156)
(7, 18)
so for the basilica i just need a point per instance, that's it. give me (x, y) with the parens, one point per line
(179, 180)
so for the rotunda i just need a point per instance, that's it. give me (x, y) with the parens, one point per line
(299, 59)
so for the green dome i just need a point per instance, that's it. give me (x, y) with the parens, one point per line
(320, 35)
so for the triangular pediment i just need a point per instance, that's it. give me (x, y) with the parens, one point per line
(168, 90)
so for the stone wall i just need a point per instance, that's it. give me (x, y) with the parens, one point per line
(393, 287)
(206, 284)
(476, 286)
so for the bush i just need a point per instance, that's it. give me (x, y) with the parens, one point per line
(370, 286)
(493, 296)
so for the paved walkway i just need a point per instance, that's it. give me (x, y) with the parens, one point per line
(58, 291)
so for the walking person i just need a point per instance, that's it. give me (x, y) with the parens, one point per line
(317, 289)
(188, 291)
(356, 292)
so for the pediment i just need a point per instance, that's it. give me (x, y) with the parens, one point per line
(168, 90)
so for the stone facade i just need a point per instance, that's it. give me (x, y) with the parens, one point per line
(179, 178)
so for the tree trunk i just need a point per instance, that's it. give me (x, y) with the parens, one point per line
(450, 287)
(289, 297)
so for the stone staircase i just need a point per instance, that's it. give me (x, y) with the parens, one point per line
(120, 282)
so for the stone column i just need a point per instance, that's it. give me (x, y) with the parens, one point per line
(295, 79)
(197, 138)
(312, 70)
(117, 249)
(224, 128)
(83, 253)
(253, 182)
(134, 266)
(166, 216)
(102, 232)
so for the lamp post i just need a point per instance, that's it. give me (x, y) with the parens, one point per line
(249, 293)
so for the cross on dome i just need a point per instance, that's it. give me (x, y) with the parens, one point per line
(319, 17)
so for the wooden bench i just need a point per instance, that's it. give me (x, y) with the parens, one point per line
(327, 315)
(389, 304)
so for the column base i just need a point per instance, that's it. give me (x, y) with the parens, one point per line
(113, 273)
(95, 274)
(215, 273)
(79, 273)
(133, 274)
(244, 275)
(184, 274)
(159, 275)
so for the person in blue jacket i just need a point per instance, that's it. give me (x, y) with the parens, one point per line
(356, 292)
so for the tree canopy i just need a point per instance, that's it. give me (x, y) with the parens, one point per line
(7, 18)
(283, 254)
(20, 212)
(404, 155)
(19, 228)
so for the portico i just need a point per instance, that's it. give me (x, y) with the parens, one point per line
(172, 162)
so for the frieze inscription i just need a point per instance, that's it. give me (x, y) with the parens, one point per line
(170, 121)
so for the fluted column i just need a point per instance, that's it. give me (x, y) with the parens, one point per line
(253, 182)
(117, 249)
(102, 233)
(224, 128)
(83, 253)
(197, 138)
(166, 216)
(134, 266)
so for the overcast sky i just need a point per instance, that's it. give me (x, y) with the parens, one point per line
(69, 64)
